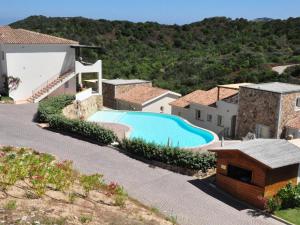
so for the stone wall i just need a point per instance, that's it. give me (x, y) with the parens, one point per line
(289, 110)
(84, 109)
(257, 107)
(124, 105)
(110, 92)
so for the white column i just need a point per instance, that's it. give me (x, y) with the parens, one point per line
(80, 79)
(99, 84)
(99, 74)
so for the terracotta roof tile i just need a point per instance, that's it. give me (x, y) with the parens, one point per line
(141, 94)
(9, 35)
(204, 97)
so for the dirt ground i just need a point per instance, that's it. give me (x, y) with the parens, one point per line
(19, 206)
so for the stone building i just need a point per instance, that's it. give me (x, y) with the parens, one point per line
(146, 99)
(214, 109)
(113, 88)
(267, 109)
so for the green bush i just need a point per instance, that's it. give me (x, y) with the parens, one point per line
(89, 130)
(53, 106)
(169, 155)
(287, 197)
(50, 110)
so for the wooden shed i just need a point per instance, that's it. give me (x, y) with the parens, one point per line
(255, 170)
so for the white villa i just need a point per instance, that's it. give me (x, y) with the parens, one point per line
(215, 109)
(34, 66)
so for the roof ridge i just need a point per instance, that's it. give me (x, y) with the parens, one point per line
(11, 35)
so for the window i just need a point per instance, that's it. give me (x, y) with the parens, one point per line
(220, 120)
(262, 131)
(161, 109)
(239, 174)
(298, 102)
(198, 115)
(209, 117)
(67, 84)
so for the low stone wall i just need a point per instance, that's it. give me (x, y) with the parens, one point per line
(84, 109)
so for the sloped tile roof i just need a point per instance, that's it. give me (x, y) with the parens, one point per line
(141, 94)
(273, 153)
(9, 35)
(204, 97)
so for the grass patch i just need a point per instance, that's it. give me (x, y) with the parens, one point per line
(6, 100)
(54, 221)
(85, 219)
(10, 205)
(291, 215)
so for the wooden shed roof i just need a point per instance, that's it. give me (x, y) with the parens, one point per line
(273, 153)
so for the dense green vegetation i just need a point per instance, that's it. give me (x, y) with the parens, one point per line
(182, 58)
(170, 155)
(52, 106)
(287, 197)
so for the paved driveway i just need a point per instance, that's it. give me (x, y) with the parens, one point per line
(190, 200)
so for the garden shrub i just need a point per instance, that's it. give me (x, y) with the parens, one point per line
(50, 111)
(89, 130)
(53, 106)
(91, 182)
(170, 155)
(287, 197)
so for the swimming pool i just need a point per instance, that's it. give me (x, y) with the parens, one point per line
(158, 128)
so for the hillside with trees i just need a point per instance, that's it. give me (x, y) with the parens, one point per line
(182, 58)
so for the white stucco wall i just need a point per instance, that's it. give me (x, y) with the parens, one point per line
(226, 110)
(68, 88)
(35, 64)
(164, 101)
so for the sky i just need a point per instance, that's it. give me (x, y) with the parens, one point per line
(162, 11)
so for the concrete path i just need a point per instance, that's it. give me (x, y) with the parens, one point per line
(190, 200)
(281, 69)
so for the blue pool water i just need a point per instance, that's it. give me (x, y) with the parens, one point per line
(157, 128)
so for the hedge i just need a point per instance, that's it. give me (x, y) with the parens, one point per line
(86, 129)
(50, 111)
(287, 197)
(52, 106)
(169, 155)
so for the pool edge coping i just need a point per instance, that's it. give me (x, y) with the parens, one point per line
(193, 148)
